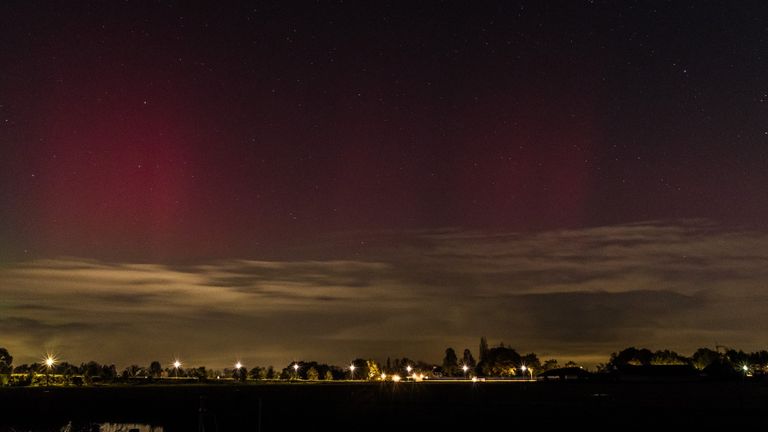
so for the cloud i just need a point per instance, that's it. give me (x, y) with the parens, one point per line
(572, 294)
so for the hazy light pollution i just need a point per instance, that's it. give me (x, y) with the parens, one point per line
(573, 294)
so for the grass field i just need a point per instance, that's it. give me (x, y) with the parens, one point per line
(389, 406)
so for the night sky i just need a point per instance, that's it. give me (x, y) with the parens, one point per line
(332, 180)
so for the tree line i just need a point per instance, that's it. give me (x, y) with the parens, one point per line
(496, 361)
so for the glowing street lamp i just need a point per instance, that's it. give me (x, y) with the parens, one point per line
(352, 371)
(526, 368)
(396, 378)
(465, 368)
(238, 365)
(295, 370)
(176, 366)
(49, 361)
(408, 369)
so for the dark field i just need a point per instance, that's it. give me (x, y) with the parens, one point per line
(402, 406)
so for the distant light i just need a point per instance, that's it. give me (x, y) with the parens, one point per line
(409, 368)
(295, 366)
(177, 364)
(50, 361)
(745, 368)
(238, 365)
(474, 379)
(465, 368)
(352, 368)
(396, 378)
(523, 368)
(383, 376)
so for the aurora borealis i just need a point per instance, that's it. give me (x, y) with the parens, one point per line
(241, 173)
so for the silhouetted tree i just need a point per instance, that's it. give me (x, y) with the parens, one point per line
(108, 372)
(291, 372)
(631, 356)
(500, 361)
(306, 369)
(312, 374)
(175, 372)
(6, 366)
(374, 371)
(737, 358)
(6, 361)
(328, 375)
(400, 366)
(703, 357)
(450, 363)
(667, 357)
(258, 373)
(199, 372)
(155, 369)
(24, 368)
(361, 369)
(483, 348)
(133, 371)
(467, 358)
(67, 370)
(759, 359)
(91, 370)
(549, 365)
(240, 374)
(531, 360)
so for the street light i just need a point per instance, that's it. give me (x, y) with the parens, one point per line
(296, 370)
(465, 368)
(396, 378)
(238, 365)
(408, 369)
(526, 368)
(352, 371)
(176, 366)
(50, 361)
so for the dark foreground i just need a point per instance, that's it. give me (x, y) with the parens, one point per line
(402, 406)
